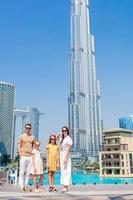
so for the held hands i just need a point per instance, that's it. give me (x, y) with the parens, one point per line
(35, 170)
(47, 165)
(65, 161)
(58, 165)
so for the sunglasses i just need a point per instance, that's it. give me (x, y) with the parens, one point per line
(52, 138)
(64, 130)
(28, 128)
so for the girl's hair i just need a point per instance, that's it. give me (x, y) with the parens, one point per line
(67, 132)
(37, 142)
(50, 139)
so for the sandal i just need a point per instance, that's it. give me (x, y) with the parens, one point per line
(51, 189)
(27, 189)
(64, 190)
(55, 190)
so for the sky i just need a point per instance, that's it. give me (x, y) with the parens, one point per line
(34, 55)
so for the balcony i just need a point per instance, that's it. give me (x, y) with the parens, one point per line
(112, 164)
(119, 147)
(111, 143)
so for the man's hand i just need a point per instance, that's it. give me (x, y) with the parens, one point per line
(20, 155)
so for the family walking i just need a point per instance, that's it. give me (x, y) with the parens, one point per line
(57, 156)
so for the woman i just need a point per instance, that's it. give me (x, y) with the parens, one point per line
(65, 161)
(52, 156)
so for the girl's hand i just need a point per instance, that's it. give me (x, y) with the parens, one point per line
(47, 165)
(58, 165)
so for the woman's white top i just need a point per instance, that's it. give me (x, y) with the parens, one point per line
(66, 141)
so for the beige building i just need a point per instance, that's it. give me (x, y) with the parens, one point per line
(116, 154)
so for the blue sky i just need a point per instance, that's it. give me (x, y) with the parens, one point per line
(34, 49)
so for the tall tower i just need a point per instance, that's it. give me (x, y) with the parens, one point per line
(7, 104)
(84, 101)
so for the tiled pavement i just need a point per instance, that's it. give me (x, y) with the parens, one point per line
(77, 192)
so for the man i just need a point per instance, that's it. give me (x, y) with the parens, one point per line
(25, 147)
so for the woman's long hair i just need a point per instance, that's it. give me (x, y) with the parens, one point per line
(50, 139)
(67, 132)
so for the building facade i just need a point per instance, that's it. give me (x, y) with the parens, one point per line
(84, 100)
(116, 155)
(7, 101)
(27, 115)
(126, 122)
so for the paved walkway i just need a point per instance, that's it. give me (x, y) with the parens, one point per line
(77, 192)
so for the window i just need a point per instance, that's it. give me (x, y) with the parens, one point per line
(109, 171)
(116, 171)
(130, 156)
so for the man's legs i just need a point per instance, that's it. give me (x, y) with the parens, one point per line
(28, 170)
(23, 166)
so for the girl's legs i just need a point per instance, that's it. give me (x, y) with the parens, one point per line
(34, 178)
(50, 178)
(40, 181)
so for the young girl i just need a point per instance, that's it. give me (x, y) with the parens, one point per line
(52, 156)
(37, 166)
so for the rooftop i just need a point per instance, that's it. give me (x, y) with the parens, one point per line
(118, 130)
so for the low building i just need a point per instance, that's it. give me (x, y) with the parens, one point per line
(116, 154)
(76, 161)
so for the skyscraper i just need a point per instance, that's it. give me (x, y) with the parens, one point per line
(84, 101)
(7, 100)
(27, 115)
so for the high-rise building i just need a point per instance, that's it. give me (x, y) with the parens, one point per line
(7, 101)
(84, 100)
(126, 122)
(27, 115)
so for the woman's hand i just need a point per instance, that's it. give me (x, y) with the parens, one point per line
(35, 170)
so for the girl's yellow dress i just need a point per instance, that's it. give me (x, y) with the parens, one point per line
(53, 156)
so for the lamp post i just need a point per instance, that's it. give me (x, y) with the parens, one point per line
(18, 159)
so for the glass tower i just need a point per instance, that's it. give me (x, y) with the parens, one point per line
(27, 115)
(84, 100)
(126, 122)
(7, 99)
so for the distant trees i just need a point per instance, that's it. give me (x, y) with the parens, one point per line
(5, 159)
